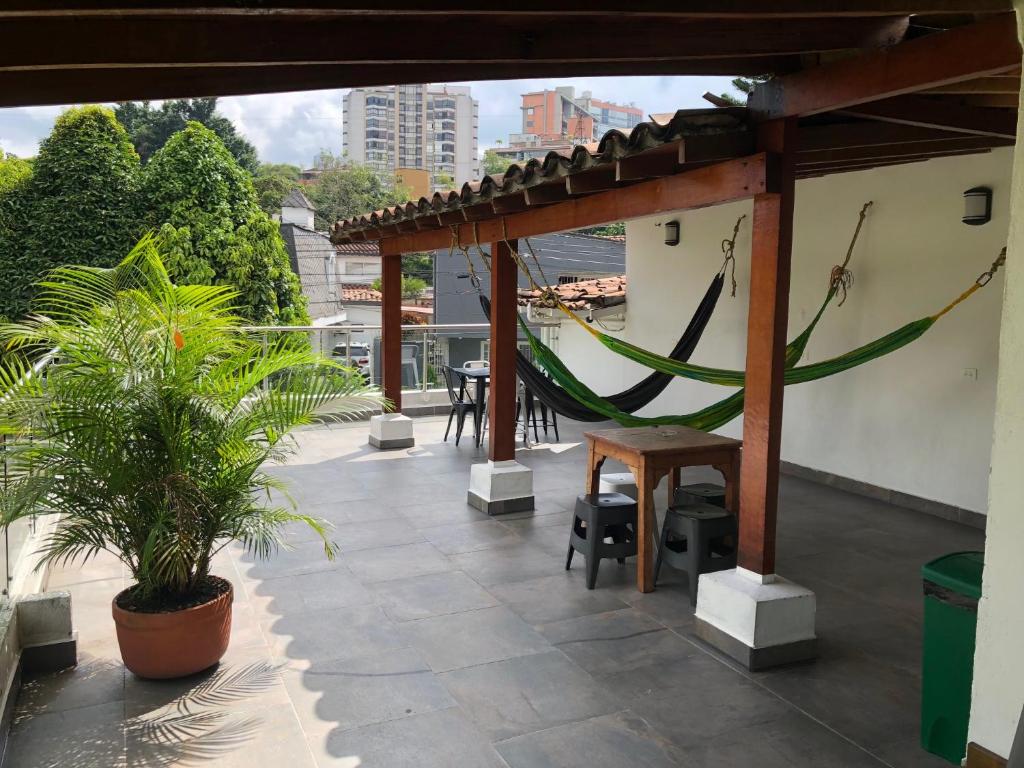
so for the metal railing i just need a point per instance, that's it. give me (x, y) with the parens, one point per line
(425, 348)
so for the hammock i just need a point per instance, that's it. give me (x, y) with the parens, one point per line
(630, 400)
(717, 414)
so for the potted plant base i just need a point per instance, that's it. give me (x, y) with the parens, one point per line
(162, 639)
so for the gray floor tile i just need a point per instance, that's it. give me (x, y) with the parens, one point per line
(507, 564)
(434, 740)
(470, 537)
(320, 590)
(336, 634)
(553, 598)
(84, 737)
(612, 741)
(527, 693)
(429, 513)
(350, 693)
(373, 534)
(98, 679)
(475, 637)
(304, 557)
(432, 595)
(401, 562)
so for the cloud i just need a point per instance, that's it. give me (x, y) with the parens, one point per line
(294, 127)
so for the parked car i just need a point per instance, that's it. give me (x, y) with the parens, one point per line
(355, 355)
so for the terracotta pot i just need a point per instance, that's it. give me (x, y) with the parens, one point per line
(175, 644)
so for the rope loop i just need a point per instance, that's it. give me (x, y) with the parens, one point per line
(728, 248)
(985, 277)
(840, 280)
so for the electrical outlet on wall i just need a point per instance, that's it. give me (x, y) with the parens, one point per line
(971, 373)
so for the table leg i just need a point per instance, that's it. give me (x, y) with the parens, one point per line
(673, 483)
(731, 474)
(646, 526)
(594, 463)
(478, 415)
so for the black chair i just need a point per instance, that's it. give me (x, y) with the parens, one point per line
(461, 408)
(697, 538)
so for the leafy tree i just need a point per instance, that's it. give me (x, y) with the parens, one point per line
(13, 170)
(151, 128)
(344, 190)
(494, 164)
(444, 182)
(212, 230)
(412, 287)
(78, 205)
(606, 230)
(419, 265)
(744, 85)
(273, 182)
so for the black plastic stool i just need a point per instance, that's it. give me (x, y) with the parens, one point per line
(699, 493)
(601, 516)
(697, 538)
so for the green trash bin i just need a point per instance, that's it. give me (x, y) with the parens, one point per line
(952, 588)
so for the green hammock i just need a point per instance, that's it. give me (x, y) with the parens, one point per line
(717, 414)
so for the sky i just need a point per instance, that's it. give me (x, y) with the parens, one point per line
(294, 127)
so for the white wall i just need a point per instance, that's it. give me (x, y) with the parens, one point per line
(998, 662)
(911, 421)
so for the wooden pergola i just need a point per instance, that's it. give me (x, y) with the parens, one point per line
(858, 84)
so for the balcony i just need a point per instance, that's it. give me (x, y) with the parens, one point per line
(443, 637)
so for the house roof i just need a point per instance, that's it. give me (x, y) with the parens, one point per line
(358, 248)
(586, 294)
(311, 254)
(296, 199)
(360, 292)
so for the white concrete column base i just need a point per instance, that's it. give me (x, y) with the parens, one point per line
(391, 430)
(619, 482)
(500, 487)
(761, 622)
(48, 641)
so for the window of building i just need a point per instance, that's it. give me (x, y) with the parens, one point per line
(563, 279)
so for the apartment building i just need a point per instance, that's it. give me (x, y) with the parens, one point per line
(560, 113)
(400, 129)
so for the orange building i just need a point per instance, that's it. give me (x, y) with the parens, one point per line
(559, 113)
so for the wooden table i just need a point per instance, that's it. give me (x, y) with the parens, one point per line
(482, 377)
(651, 453)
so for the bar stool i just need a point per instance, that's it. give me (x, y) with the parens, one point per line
(697, 493)
(601, 516)
(697, 538)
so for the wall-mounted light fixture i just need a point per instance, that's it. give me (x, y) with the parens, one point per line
(672, 232)
(978, 205)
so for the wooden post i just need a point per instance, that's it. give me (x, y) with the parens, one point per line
(502, 394)
(771, 247)
(391, 320)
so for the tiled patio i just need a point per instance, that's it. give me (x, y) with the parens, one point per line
(441, 637)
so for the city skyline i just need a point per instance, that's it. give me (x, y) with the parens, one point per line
(294, 127)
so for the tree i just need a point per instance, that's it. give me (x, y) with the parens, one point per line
(412, 287)
(150, 128)
(273, 182)
(13, 170)
(344, 190)
(211, 228)
(420, 265)
(494, 164)
(14, 178)
(744, 85)
(79, 204)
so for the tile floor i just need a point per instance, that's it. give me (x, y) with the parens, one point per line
(440, 637)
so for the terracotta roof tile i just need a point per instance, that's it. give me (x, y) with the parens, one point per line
(359, 292)
(586, 294)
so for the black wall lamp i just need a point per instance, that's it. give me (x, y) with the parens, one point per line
(978, 206)
(672, 232)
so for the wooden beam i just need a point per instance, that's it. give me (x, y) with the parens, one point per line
(767, 320)
(743, 9)
(504, 335)
(407, 225)
(68, 86)
(391, 329)
(213, 40)
(894, 151)
(985, 48)
(661, 161)
(596, 179)
(981, 85)
(811, 171)
(824, 138)
(710, 185)
(714, 147)
(993, 100)
(941, 114)
(512, 203)
(477, 212)
(544, 194)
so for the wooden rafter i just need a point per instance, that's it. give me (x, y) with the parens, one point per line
(883, 152)
(943, 114)
(710, 185)
(981, 85)
(865, 134)
(985, 48)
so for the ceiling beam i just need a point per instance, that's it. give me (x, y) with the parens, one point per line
(205, 40)
(936, 148)
(710, 185)
(994, 100)
(985, 48)
(59, 86)
(981, 85)
(941, 114)
(660, 161)
(742, 9)
(804, 172)
(543, 194)
(820, 138)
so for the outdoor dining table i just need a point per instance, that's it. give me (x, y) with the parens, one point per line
(482, 377)
(651, 453)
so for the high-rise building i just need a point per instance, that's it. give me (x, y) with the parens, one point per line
(560, 113)
(398, 129)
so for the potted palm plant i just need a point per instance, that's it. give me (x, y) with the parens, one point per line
(149, 435)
